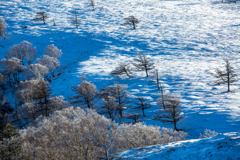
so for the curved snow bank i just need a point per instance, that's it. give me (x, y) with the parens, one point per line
(225, 146)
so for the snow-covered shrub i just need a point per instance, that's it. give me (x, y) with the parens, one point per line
(73, 133)
(208, 133)
(52, 51)
(2, 27)
(70, 134)
(138, 135)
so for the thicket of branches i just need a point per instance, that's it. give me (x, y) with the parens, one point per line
(77, 134)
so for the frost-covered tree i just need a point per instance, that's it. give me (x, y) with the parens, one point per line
(227, 76)
(141, 104)
(171, 111)
(15, 52)
(132, 21)
(52, 51)
(122, 68)
(38, 71)
(86, 94)
(51, 62)
(28, 51)
(41, 16)
(75, 20)
(142, 63)
(34, 96)
(2, 27)
(11, 68)
(42, 97)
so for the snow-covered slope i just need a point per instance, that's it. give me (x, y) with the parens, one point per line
(220, 147)
(185, 39)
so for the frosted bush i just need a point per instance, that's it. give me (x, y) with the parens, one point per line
(208, 133)
(52, 51)
(51, 62)
(73, 133)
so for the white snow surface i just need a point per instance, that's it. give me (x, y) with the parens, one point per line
(185, 39)
(219, 147)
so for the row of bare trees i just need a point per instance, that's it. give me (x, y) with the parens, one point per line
(115, 100)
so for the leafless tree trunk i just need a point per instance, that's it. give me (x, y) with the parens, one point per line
(142, 63)
(131, 20)
(227, 76)
(121, 69)
(142, 104)
(41, 16)
(171, 112)
(92, 3)
(75, 19)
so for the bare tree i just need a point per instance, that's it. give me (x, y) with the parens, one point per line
(74, 20)
(28, 51)
(132, 21)
(51, 62)
(122, 68)
(142, 104)
(171, 112)
(41, 17)
(86, 94)
(92, 3)
(2, 27)
(109, 106)
(134, 116)
(52, 51)
(227, 76)
(142, 63)
(121, 95)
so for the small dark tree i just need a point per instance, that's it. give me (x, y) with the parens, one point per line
(171, 111)
(10, 146)
(86, 93)
(92, 3)
(74, 20)
(227, 76)
(134, 117)
(142, 104)
(122, 68)
(132, 21)
(142, 63)
(41, 17)
(2, 27)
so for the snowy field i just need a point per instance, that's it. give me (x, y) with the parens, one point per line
(185, 39)
(219, 147)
